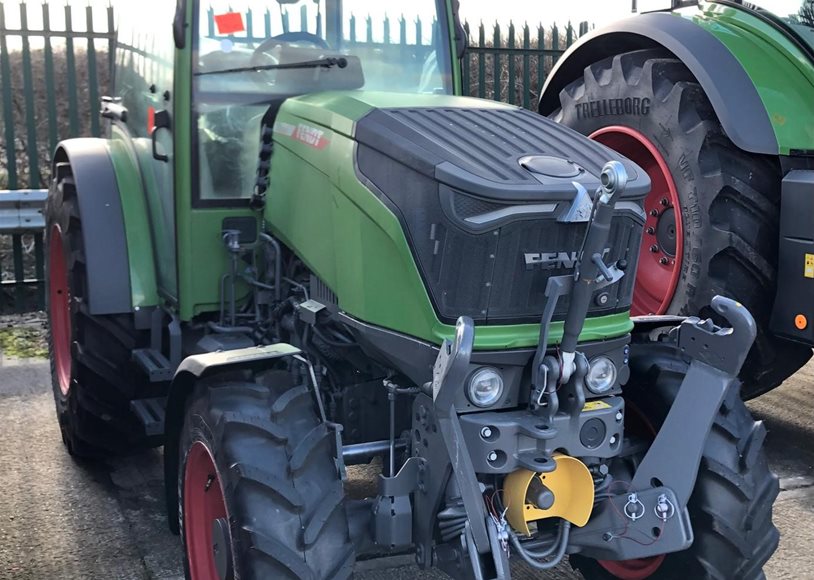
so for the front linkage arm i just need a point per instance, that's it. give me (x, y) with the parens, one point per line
(661, 487)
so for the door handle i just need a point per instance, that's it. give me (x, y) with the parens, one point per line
(162, 121)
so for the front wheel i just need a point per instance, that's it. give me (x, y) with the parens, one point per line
(260, 495)
(731, 505)
(713, 213)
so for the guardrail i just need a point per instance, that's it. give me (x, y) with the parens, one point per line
(22, 255)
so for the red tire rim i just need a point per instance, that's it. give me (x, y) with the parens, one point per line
(633, 569)
(663, 243)
(206, 519)
(59, 308)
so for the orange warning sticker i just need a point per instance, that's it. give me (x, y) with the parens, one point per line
(801, 322)
(229, 23)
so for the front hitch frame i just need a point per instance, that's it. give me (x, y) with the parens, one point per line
(661, 487)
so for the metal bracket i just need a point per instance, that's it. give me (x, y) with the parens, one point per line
(449, 374)
(719, 353)
(722, 348)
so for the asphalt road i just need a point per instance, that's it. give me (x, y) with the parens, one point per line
(63, 519)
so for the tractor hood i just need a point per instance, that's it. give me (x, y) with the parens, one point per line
(491, 200)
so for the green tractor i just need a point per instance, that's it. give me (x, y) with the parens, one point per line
(714, 101)
(301, 250)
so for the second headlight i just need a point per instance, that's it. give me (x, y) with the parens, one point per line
(485, 387)
(601, 375)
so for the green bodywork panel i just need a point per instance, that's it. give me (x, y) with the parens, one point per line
(783, 75)
(143, 285)
(318, 205)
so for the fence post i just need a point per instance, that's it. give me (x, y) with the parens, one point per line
(50, 92)
(481, 61)
(526, 67)
(569, 35)
(93, 82)
(496, 64)
(8, 106)
(512, 89)
(70, 62)
(555, 45)
(30, 120)
(466, 66)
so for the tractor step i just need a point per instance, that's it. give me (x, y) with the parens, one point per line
(150, 412)
(157, 367)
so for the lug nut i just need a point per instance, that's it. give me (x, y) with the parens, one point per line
(492, 457)
(654, 212)
(486, 432)
(651, 230)
(665, 202)
(663, 261)
(612, 440)
(654, 248)
(619, 416)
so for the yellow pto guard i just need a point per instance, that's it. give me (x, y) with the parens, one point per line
(567, 493)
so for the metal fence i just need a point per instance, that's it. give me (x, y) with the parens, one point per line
(53, 73)
(51, 79)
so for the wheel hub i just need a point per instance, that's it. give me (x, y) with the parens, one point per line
(221, 550)
(662, 246)
(666, 233)
(206, 521)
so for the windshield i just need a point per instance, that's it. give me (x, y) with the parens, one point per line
(251, 55)
(797, 14)
(398, 50)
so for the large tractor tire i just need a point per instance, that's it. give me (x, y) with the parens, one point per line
(259, 491)
(91, 369)
(713, 212)
(731, 505)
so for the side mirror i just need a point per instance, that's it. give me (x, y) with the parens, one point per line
(179, 27)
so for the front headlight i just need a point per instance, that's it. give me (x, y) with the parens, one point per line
(601, 375)
(485, 387)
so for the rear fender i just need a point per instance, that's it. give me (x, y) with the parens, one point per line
(191, 370)
(114, 225)
(719, 72)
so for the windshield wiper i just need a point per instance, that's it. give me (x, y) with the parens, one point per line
(329, 62)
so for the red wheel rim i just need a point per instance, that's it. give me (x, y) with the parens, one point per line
(663, 243)
(59, 309)
(203, 505)
(633, 569)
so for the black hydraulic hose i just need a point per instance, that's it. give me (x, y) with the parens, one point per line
(614, 180)
(583, 290)
(278, 267)
(549, 550)
(532, 560)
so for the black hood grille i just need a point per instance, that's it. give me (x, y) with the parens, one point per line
(482, 228)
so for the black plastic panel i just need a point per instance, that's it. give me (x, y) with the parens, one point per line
(471, 240)
(793, 314)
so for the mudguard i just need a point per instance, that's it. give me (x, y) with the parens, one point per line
(191, 370)
(103, 231)
(733, 94)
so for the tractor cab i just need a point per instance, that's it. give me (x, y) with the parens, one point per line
(247, 63)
